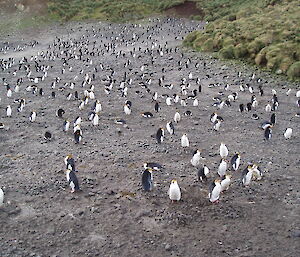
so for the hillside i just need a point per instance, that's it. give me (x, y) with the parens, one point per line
(265, 33)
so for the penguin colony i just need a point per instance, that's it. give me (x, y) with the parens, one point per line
(87, 85)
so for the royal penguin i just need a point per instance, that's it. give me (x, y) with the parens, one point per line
(268, 108)
(127, 109)
(268, 133)
(77, 136)
(225, 182)
(156, 107)
(77, 121)
(288, 133)
(48, 135)
(1, 197)
(213, 117)
(147, 114)
(153, 166)
(177, 117)
(235, 161)
(8, 111)
(174, 191)
(257, 172)
(195, 161)
(69, 162)
(170, 128)
(66, 125)
(202, 173)
(32, 116)
(160, 135)
(247, 175)
(147, 179)
(72, 180)
(223, 151)
(60, 112)
(95, 120)
(222, 168)
(185, 141)
(273, 118)
(214, 191)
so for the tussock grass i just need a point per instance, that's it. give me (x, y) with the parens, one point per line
(264, 32)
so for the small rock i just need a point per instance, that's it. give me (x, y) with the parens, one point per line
(296, 233)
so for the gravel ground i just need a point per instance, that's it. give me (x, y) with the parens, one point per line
(112, 215)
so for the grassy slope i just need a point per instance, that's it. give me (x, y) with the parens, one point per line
(265, 32)
(111, 10)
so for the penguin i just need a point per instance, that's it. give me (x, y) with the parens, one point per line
(217, 125)
(185, 141)
(147, 180)
(235, 161)
(98, 106)
(268, 108)
(170, 128)
(268, 133)
(298, 94)
(127, 109)
(72, 181)
(70, 162)
(96, 120)
(225, 182)
(153, 166)
(53, 95)
(213, 117)
(156, 107)
(160, 135)
(248, 107)
(288, 133)
(255, 116)
(257, 173)
(169, 101)
(188, 113)
(77, 136)
(8, 111)
(195, 161)
(1, 197)
(214, 191)
(60, 112)
(247, 175)
(177, 117)
(9, 93)
(202, 173)
(48, 135)
(174, 191)
(2, 125)
(77, 121)
(32, 116)
(223, 151)
(273, 118)
(66, 125)
(265, 125)
(147, 114)
(241, 107)
(195, 102)
(222, 168)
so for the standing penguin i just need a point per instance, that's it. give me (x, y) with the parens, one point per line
(70, 162)
(202, 173)
(185, 141)
(222, 168)
(147, 180)
(273, 118)
(77, 136)
(177, 117)
(225, 182)
(32, 116)
(72, 180)
(1, 197)
(214, 191)
(247, 175)
(8, 111)
(288, 133)
(156, 107)
(96, 120)
(268, 133)
(195, 161)
(66, 125)
(160, 135)
(170, 128)
(174, 191)
(235, 161)
(60, 112)
(223, 150)
(127, 109)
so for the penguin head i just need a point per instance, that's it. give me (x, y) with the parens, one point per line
(174, 181)
(217, 181)
(228, 176)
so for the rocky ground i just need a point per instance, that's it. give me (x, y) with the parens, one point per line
(112, 215)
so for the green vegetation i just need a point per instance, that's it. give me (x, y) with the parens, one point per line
(110, 10)
(264, 32)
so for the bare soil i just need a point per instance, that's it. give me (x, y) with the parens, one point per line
(112, 215)
(186, 9)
